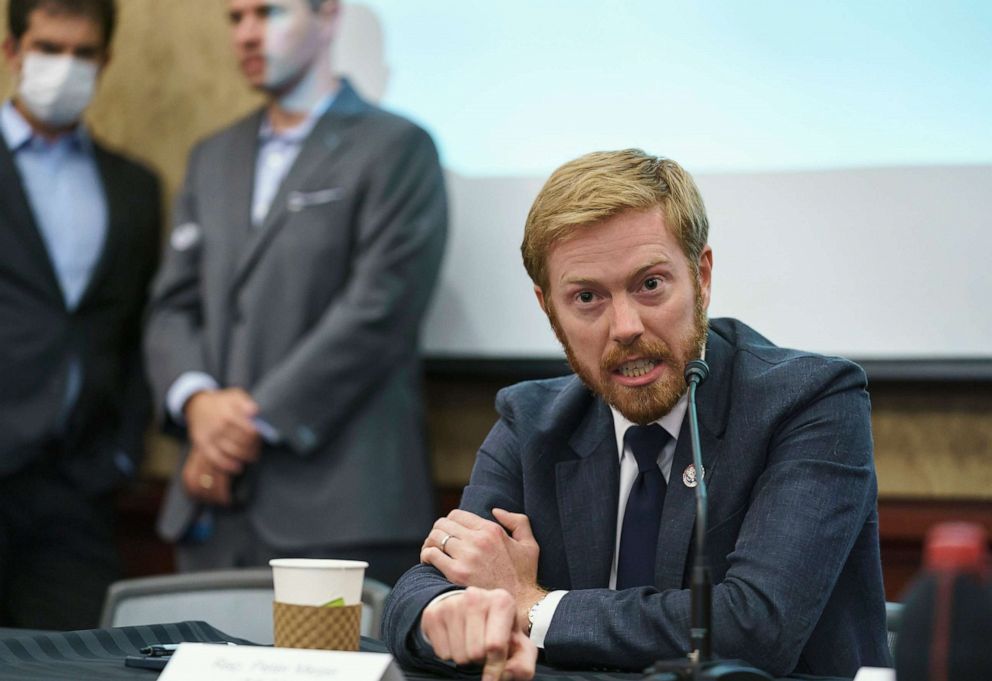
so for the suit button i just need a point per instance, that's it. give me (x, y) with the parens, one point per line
(306, 437)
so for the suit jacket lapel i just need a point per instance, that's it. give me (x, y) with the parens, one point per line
(239, 235)
(17, 214)
(241, 156)
(316, 154)
(588, 493)
(679, 515)
(115, 237)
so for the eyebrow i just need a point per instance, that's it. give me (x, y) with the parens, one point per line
(584, 281)
(57, 46)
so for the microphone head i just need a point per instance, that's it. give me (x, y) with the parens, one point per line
(696, 371)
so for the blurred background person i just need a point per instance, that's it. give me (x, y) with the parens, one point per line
(79, 239)
(284, 327)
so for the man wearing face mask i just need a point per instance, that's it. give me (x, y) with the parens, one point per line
(79, 230)
(284, 323)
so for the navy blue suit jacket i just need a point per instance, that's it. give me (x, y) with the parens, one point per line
(793, 527)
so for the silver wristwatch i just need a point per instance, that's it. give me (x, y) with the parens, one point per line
(532, 613)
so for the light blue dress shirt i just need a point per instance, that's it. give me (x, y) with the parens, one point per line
(277, 151)
(66, 196)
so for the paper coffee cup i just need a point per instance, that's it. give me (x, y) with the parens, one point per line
(318, 603)
(317, 581)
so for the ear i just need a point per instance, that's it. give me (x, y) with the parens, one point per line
(705, 275)
(104, 61)
(540, 298)
(329, 11)
(10, 50)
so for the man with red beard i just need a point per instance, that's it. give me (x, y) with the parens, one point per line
(574, 533)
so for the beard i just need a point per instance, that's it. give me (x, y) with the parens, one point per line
(647, 403)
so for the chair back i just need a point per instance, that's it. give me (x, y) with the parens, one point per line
(893, 620)
(237, 602)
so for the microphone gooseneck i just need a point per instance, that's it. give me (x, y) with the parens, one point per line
(700, 666)
(701, 587)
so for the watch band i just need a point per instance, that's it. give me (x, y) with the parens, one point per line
(532, 613)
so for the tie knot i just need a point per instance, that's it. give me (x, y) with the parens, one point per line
(645, 442)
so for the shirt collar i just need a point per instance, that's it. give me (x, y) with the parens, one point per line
(17, 132)
(298, 132)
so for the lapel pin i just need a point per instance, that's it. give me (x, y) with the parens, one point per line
(689, 475)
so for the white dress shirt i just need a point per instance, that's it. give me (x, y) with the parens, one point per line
(672, 423)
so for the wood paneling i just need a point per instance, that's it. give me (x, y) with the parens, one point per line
(933, 440)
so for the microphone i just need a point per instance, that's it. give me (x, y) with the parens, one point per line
(700, 666)
(696, 372)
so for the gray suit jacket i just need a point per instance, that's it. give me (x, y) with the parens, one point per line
(316, 314)
(792, 540)
(39, 335)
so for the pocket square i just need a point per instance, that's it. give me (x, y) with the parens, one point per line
(297, 200)
(185, 236)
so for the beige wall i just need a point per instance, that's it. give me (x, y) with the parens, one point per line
(172, 80)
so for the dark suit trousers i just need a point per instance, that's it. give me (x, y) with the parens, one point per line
(57, 553)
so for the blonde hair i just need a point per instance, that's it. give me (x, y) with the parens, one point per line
(602, 184)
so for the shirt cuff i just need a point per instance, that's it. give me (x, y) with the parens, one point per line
(543, 614)
(268, 432)
(183, 388)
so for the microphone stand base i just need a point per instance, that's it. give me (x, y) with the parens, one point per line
(714, 670)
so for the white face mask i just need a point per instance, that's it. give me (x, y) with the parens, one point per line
(56, 89)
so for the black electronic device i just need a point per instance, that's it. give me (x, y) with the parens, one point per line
(156, 663)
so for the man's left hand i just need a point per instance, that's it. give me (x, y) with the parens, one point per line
(480, 553)
(203, 482)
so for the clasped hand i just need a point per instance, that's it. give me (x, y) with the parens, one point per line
(479, 626)
(497, 561)
(223, 440)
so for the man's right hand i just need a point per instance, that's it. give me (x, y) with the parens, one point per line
(205, 483)
(220, 426)
(480, 626)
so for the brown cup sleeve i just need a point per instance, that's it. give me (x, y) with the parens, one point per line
(305, 626)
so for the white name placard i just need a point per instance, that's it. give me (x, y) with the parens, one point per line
(207, 662)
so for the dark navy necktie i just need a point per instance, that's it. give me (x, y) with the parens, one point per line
(642, 517)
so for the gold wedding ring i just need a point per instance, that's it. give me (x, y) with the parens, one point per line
(206, 480)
